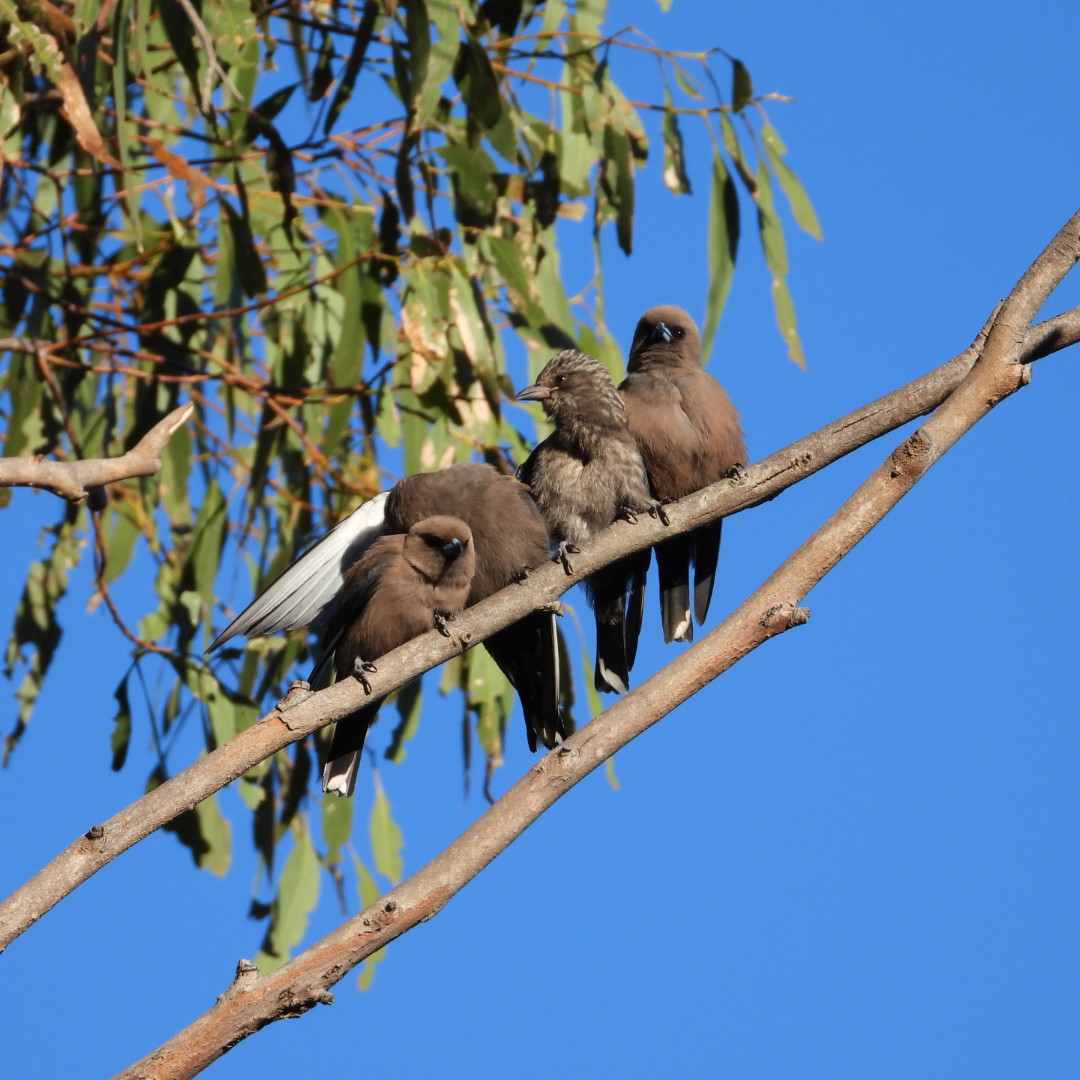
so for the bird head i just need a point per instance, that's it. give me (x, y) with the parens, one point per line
(441, 545)
(574, 386)
(665, 335)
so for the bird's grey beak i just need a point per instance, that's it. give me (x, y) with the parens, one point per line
(660, 332)
(453, 548)
(536, 392)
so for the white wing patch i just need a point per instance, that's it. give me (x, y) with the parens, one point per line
(298, 596)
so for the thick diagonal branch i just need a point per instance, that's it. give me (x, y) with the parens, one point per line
(306, 980)
(88, 854)
(73, 480)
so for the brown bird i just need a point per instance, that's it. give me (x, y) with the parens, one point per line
(586, 474)
(689, 436)
(509, 538)
(402, 585)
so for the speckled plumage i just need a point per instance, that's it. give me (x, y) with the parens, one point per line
(582, 475)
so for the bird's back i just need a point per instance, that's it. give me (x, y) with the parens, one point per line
(509, 533)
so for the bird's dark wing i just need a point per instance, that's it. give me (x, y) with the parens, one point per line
(300, 595)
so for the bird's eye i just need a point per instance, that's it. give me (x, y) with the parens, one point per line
(560, 380)
(678, 331)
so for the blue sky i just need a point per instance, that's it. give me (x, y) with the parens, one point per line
(855, 854)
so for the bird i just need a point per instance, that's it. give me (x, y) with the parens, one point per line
(689, 436)
(401, 586)
(585, 475)
(509, 539)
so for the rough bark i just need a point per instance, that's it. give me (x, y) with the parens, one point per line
(774, 607)
(283, 725)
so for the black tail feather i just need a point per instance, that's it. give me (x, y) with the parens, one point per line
(343, 759)
(673, 571)
(635, 603)
(607, 591)
(527, 654)
(706, 542)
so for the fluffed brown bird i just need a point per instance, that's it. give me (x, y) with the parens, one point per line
(511, 539)
(402, 585)
(586, 474)
(689, 436)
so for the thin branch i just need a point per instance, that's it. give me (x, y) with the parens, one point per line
(86, 855)
(253, 1003)
(72, 480)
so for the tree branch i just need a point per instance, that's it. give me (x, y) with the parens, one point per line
(288, 722)
(72, 480)
(773, 608)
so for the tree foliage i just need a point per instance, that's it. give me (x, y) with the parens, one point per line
(329, 226)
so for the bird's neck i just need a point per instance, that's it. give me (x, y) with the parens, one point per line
(585, 436)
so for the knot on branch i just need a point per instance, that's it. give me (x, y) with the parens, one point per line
(784, 616)
(912, 457)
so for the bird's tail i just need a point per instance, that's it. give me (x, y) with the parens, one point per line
(608, 590)
(343, 760)
(527, 653)
(706, 541)
(673, 571)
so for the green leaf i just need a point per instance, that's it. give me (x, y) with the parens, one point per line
(675, 178)
(297, 896)
(337, 819)
(440, 62)
(352, 66)
(407, 702)
(121, 734)
(208, 541)
(252, 276)
(742, 89)
(723, 245)
(772, 243)
(386, 837)
(612, 776)
(119, 544)
(802, 210)
(476, 80)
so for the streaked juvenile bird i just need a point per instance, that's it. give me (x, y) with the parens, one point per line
(402, 585)
(509, 538)
(689, 436)
(586, 474)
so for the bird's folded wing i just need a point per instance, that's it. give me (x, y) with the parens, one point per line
(301, 593)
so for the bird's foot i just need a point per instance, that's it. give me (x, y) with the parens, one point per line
(361, 669)
(656, 510)
(565, 549)
(519, 577)
(737, 474)
(442, 620)
(624, 513)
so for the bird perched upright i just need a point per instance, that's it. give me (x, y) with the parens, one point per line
(401, 586)
(586, 474)
(689, 436)
(509, 538)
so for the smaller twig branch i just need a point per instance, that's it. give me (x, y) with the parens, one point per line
(74, 480)
(213, 66)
